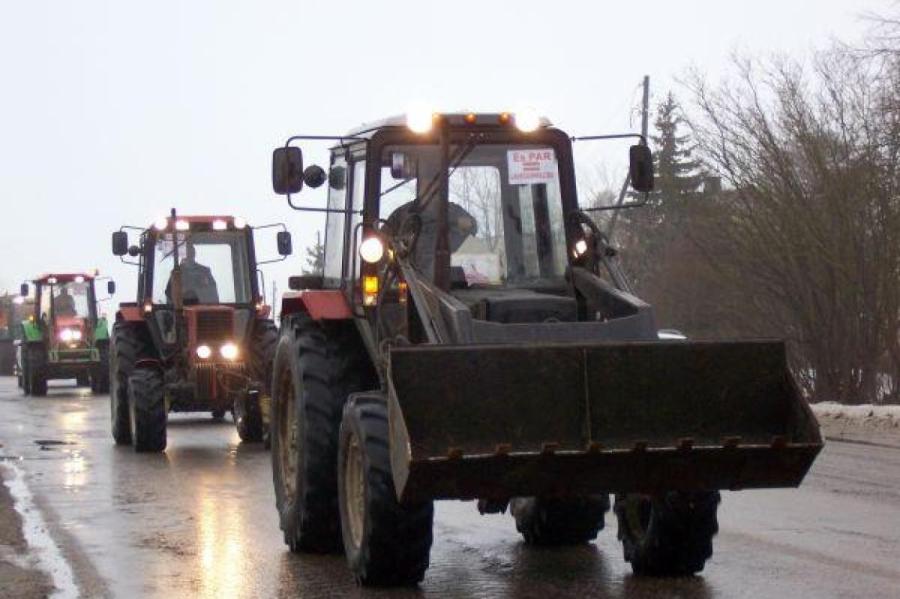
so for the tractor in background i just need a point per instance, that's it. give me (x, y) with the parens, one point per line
(64, 337)
(199, 337)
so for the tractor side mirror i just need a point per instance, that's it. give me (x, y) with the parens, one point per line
(640, 168)
(110, 287)
(119, 243)
(23, 290)
(134, 251)
(285, 245)
(287, 170)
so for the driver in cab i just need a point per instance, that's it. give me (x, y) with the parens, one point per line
(197, 283)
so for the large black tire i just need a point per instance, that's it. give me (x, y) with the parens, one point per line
(559, 521)
(248, 418)
(386, 542)
(315, 370)
(37, 371)
(25, 374)
(100, 374)
(667, 535)
(251, 419)
(128, 344)
(147, 409)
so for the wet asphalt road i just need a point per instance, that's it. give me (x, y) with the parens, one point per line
(200, 521)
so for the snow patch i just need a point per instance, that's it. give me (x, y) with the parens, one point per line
(46, 551)
(830, 409)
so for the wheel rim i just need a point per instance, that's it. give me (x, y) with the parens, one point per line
(638, 509)
(354, 490)
(288, 434)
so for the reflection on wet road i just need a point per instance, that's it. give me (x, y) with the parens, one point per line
(200, 521)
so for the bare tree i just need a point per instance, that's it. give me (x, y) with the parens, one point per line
(809, 227)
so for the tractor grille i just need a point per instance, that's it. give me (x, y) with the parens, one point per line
(215, 325)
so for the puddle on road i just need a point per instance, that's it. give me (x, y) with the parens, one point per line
(51, 443)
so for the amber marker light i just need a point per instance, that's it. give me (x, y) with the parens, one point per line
(370, 290)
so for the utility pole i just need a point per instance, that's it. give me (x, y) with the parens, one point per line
(645, 116)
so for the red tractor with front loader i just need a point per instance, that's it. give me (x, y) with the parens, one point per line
(473, 337)
(199, 337)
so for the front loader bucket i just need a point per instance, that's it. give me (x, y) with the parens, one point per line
(562, 419)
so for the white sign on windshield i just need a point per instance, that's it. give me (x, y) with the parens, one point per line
(527, 167)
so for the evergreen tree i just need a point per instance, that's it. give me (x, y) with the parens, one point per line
(654, 237)
(315, 258)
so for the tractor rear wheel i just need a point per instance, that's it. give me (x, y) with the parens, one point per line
(100, 373)
(559, 521)
(37, 371)
(386, 542)
(263, 343)
(314, 372)
(248, 419)
(128, 345)
(147, 410)
(669, 534)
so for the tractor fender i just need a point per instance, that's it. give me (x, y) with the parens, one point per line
(320, 304)
(101, 331)
(129, 313)
(31, 333)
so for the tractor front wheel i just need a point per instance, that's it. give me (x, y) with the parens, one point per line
(100, 373)
(669, 534)
(559, 521)
(263, 343)
(386, 542)
(315, 370)
(37, 375)
(147, 410)
(127, 346)
(248, 418)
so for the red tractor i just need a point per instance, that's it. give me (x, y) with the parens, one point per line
(199, 337)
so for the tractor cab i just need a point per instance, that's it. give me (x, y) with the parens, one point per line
(479, 213)
(209, 273)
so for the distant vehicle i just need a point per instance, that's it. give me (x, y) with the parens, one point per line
(13, 310)
(64, 337)
(199, 337)
(473, 337)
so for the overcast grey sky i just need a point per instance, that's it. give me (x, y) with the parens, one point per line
(112, 112)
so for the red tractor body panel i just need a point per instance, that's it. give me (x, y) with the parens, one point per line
(320, 304)
(129, 314)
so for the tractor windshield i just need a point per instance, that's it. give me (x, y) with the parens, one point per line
(505, 215)
(66, 300)
(214, 267)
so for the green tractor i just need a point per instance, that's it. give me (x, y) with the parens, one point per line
(64, 337)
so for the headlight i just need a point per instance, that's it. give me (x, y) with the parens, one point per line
(527, 120)
(203, 352)
(70, 335)
(580, 248)
(419, 119)
(371, 250)
(229, 351)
